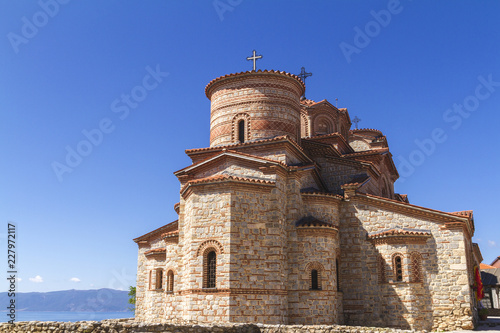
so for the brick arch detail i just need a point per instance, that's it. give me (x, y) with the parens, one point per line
(319, 268)
(234, 127)
(208, 245)
(304, 125)
(416, 267)
(324, 117)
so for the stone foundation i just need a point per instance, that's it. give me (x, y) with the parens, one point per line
(131, 326)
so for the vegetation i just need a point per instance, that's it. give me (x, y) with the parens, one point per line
(131, 299)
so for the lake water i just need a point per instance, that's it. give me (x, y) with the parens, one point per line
(64, 316)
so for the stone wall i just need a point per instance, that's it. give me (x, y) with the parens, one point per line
(440, 300)
(131, 326)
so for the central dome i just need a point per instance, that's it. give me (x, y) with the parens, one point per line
(254, 105)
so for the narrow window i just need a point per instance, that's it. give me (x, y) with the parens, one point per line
(241, 131)
(398, 268)
(150, 280)
(170, 281)
(159, 279)
(211, 269)
(314, 280)
(338, 273)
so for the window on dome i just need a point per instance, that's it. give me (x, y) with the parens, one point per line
(241, 131)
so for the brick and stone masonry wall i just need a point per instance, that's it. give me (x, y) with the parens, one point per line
(131, 326)
(267, 102)
(441, 302)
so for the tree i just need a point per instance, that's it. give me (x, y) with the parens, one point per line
(131, 300)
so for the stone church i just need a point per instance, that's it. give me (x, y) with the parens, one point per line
(290, 217)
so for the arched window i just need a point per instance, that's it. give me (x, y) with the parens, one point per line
(210, 267)
(416, 267)
(397, 262)
(159, 279)
(338, 273)
(314, 271)
(170, 281)
(241, 131)
(315, 280)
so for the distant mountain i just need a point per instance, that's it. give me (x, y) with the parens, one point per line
(100, 300)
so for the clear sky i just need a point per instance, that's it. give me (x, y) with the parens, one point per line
(121, 84)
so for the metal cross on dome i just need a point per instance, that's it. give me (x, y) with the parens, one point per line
(254, 58)
(303, 75)
(356, 120)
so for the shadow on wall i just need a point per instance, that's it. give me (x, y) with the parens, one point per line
(372, 294)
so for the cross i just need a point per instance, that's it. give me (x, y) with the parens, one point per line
(303, 75)
(254, 58)
(356, 120)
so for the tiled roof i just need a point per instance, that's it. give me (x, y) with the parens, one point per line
(167, 227)
(170, 234)
(155, 251)
(247, 143)
(312, 192)
(225, 151)
(402, 197)
(310, 221)
(323, 136)
(358, 130)
(466, 213)
(367, 152)
(356, 180)
(228, 177)
(404, 204)
(484, 266)
(260, 71)
(399, 232)
(308, 102)
(220, 178)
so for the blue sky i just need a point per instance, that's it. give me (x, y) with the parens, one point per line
(69, 68)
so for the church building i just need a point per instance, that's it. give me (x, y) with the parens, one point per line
(290, 217)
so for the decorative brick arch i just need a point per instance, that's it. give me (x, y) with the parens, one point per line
(416, 267)
(235, 130)
(208, 245)
(304, 125)
(323, 124)
(210, 250)
(315, 279)
(381, 270)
